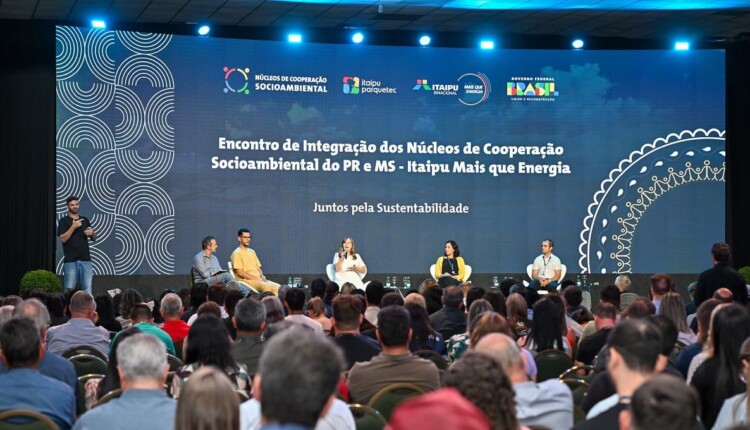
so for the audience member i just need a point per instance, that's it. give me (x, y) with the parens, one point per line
(395, 363)
(128, 300)
(573, 298)
(332, 290)
(177, 329)
(720, 275)
(485, 384)
(459, 343)
(423, 337)
(230, 303)
(250, 321)
(95, 388)
(418, 299)
(106, 312)
(639, 308)
(718, 378)
(141, 318)
(690, 307)
(347, 318)
(518, 315)
(724, 295)
(663, 402)
(143, 405)
(661, 284)
(6, 313)
(374, 293)
(673, 308)
(315, 367)
(444, 409)
(56, 308)
(605, 316)
(80, 329)
(295, 303)
(208, 343)
(703, 318)
(208, 402)
(12, 300)
(198, 296)
(734, 411)
(317, 312)
(274, 309)
(492, 322)
(391, 298)
(545, 404)
(497, 299)
(451, 319)
(433, 297)
(547, 329)
(23, 386)
(474, 293)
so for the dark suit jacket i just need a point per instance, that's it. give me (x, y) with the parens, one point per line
(720, 276)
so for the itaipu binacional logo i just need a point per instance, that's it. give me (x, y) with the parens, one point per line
(237, 80)
(351, 85)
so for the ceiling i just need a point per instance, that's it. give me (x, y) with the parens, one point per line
(633, 19)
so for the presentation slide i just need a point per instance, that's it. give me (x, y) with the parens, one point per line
(617, 156)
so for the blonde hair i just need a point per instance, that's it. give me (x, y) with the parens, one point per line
(347, 288)
(315, 305)
(208, 402)
(416, 298)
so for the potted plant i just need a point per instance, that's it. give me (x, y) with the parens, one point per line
(41, 279)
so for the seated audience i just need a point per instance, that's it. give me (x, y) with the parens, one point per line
(734, 411)
(315, 367)
(424, 337)
(451, 319)
(444, 409)
(23, 386)
(317, 312)
(497, 299)
(459, 343)
(128, 299)
(485, 384)
(295, 304)
(106, 311)
(347, 318)
(661, 284)
(80, 329)
(640, 308)
(56, 307)
(374, 293)
(274, 309)
(418, 299)
(96, 388)
(250, 320)
(174, 326)
(724, 295)
(518, 315)
(391, 298)
(208, 343)
(230, 303)
(395, 363)
(703, 318)
(605, 316)
(547, 329)
(198, 296)
(142, 319)
(143, 405)
(673, 308)
(663, 402)
(208, 402)
(545, 404)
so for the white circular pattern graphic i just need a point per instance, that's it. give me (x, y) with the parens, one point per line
(101, 115)
(638, 181)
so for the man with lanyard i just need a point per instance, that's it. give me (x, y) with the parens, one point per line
(74, 232)
(547, 268)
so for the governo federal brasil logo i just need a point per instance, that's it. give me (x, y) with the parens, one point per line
(237, 80)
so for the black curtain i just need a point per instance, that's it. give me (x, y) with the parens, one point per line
(27, 142)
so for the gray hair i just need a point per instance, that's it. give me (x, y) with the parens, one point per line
(142, 357)
(34, 310)
(6, 313)
(503, 349)
(623, 282)
(171, 304)
(250, 314)
(81, 302)
(315, 367)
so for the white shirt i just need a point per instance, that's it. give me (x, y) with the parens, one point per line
(547, 266)
(338, 417)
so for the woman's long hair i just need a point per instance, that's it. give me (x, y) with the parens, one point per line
(673, 308)
(548, 326)
(208, 344)
(420, 327)
(353, 250)
(111, 380)
(731, 326)
(208, 402)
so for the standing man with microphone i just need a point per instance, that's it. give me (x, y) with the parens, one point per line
(74, 232)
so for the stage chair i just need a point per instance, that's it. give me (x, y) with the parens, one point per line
(86, 364)
(389, 397)
(367, 418)
(231, 272)
(551, 363)
(331, 274)
(467, 268)
(107, 397)
(23, 419)
(84, 349)
(530, 271)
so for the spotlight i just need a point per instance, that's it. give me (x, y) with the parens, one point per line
(358, 37)
(294, 38)
(98, 23)
(203, 30)
(577, 44)
(681, 45)
(487, 44)
(424, 40)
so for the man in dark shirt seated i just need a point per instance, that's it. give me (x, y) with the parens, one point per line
(605, 316)
(250, 320)
(347, 317)
(451, 319)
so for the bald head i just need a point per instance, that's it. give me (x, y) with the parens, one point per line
(504, 350)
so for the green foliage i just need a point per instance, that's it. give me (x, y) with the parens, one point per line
(746, 273)
(43, 279)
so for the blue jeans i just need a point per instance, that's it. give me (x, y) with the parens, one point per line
(552, 286)
(78, 271)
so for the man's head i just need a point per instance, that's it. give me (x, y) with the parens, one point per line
(141, 313)
(668, 331)
(663, 402)
(244, 237)
(72, 204)
(295, 299)
(318, 288)
(216, 294)
(724, 295)
(82, 305)
(641, 307)
(547, 246)
(171, 307)
(634, 347)
(506, 352)
(661, 283)
(142, 362)
(209, 244)
(315, 367)
(721, 252)
(249, 316)
(231, 299)
(347, 313)
(452, 297)
(374, 293)
(610, 294)
(394, 327)
(391, 299)
(605, 315)
(20, 343)
(573, 296)
(34, 310)
(623, 283)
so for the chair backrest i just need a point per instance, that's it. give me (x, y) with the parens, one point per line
(432, 272)
(84, 349)
(107, 397)
(432, 356)
(24, 419)
(468, 272)
(389, 397)
(330, 272)
(563, 272)
(551, 363)
(87, 363)
(367, 418)
(578, 388)
(174, 362)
